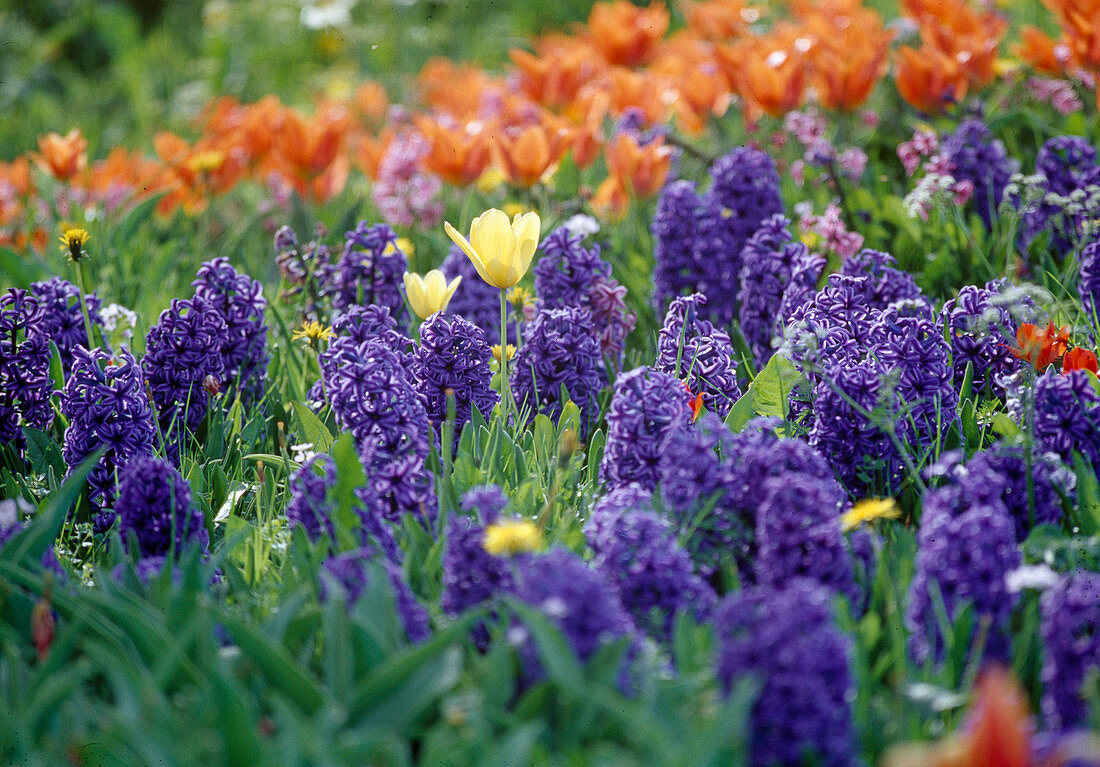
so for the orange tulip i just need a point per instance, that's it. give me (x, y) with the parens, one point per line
(996, 733)
(928, 78)
(1079, 359)
(370, 102)
(458, 155)
(192, 175)
(848, 56)
(691, 68)
(961, 33)
(527, 155)
(769, 72)
(62, 156)
(308, 152)
(1080, 22)
(1046, 55)
(642, 170)
(611, 200)
(624, 33)
(1041, 348)
(718, 20)
(553, 79)
(452, 88)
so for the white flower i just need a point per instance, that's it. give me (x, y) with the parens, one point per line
(1037, 577)
(302, 452)
(118, 321)
(582, 224)
(321, 14)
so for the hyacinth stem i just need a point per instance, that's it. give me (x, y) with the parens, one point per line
(84, 302)
(505, 388)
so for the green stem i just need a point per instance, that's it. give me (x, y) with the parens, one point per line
(505, 389)
(84, 303)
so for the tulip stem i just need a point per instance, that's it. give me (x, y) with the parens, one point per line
(505, 388)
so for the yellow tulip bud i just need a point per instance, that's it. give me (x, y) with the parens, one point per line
(500, 251)
(431, 293)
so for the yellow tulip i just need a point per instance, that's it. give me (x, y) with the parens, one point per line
(500, 251)
(431, 293)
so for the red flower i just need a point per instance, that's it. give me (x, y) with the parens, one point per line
(696, 403)
(1079, 359)
(1041, 348)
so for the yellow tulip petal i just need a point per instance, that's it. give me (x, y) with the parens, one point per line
(460, 240)
(491, 237)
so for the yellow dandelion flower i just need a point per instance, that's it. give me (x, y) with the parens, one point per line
(511, 352)
(509, 537)
(73, 242)
(520, 297)
(490, 180)
(313, 332)
(868, 511)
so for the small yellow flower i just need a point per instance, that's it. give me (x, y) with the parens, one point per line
(519, 298)
(431, 293)
(406, 246)
(490, 180)
(206, 162)
(313, 332)
(513, 209)
(511, 536)
(510, 351)
(868, 511)
(73, 242)
(500, 250)
(810, 239)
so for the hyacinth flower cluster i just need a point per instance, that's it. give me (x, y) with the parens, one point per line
(24, 367)
(1071, 644)
(406, 194)
(879, 369)
(798, 535)
(1067, 415)
(363, 376)
(693, 350)
(979, 328)
(312, 508)
(61, 320)
(560, 349)
(971, 154)
(184, 367)
(476, 301)
(636, 549)
(1030, 484)
(369, 273)
(348, 574)
(1069, 174)
(778, 274)
(568, 274)
(471, 575)
(154, 506)
(105, 403)
(1088, 281)
(967, 547)
(710, 485)
(647, 407)
(240, 301)
(698, 238)
(452, 361)
(308, 272)
(579, 600)
(786, 638)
